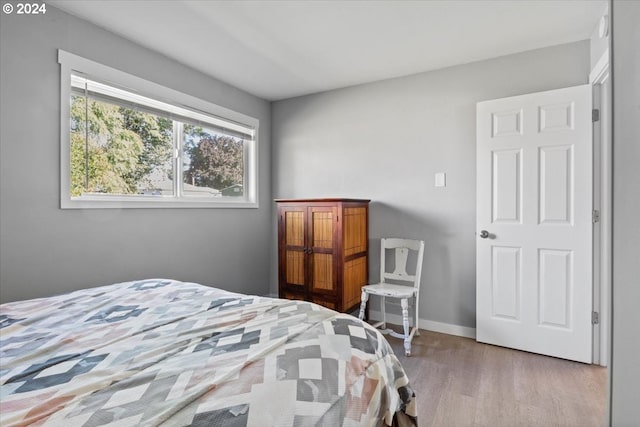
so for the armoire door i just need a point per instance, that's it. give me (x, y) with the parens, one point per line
(293, 251)
(322, 251)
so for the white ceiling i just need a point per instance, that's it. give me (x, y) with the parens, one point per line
(282, 49)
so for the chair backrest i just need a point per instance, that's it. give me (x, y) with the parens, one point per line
(401, 249)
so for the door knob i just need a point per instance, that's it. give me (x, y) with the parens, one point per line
(484, 234)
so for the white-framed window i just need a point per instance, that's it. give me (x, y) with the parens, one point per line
(130, 143)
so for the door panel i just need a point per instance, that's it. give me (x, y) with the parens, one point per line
(555, 273)
(556, 117)
(355, 276)
(507, 186)
(294, 234)
(322, 223)
(294, 247)
(323, 254)
(505, 282)
(506, 123)
(556, 176)
(323, 272)
(355, 236)
(534, 199)
(295, 267)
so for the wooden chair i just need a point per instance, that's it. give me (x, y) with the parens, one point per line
(389, 286)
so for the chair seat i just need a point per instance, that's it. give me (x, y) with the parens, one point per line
(390, 290)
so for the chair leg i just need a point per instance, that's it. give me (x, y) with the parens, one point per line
(405, 323)
(417, 319)
(363, 304)
(383, 302)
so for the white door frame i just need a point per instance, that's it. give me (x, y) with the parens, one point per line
(602, 191)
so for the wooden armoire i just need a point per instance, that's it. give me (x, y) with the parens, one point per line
(323, 247)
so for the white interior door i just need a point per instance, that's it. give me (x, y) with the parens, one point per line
(534, 219)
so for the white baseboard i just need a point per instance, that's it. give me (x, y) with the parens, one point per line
(429, 325)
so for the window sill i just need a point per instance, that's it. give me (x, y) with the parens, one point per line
(110, 202)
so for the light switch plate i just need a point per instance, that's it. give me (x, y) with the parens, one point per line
(440, 179)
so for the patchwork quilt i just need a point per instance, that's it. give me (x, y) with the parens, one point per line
(162, 352)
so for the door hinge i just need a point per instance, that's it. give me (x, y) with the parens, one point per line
(595, 216)
(595, 317)
(595, 115)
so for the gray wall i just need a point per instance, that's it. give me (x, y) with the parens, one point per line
(45, 250)
(625, 361)
(386, 140)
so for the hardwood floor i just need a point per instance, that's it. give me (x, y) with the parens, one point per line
(459, 382)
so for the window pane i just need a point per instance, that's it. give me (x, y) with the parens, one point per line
(213, 163)
(119, 151)
(135, 144)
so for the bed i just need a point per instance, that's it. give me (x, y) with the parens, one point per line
(163, 352)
